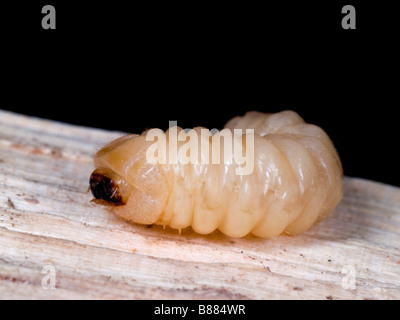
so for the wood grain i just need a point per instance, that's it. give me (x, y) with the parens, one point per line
(47, 222)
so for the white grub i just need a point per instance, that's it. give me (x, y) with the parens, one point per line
(296, 180)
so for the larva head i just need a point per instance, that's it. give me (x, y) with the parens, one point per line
(123, 178)
(110, 187)
(108, 182)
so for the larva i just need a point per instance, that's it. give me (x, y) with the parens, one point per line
(296, 180)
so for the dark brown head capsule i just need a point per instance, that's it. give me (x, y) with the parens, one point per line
(107, 185)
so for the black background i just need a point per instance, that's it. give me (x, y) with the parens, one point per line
(121, 67)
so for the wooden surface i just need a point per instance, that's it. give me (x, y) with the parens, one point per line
(56, 244)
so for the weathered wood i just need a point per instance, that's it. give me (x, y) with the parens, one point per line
(49, 225)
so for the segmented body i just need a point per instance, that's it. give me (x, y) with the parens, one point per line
(296, 181)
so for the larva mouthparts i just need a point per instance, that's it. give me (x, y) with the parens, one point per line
(108, 186)
(197, 179)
